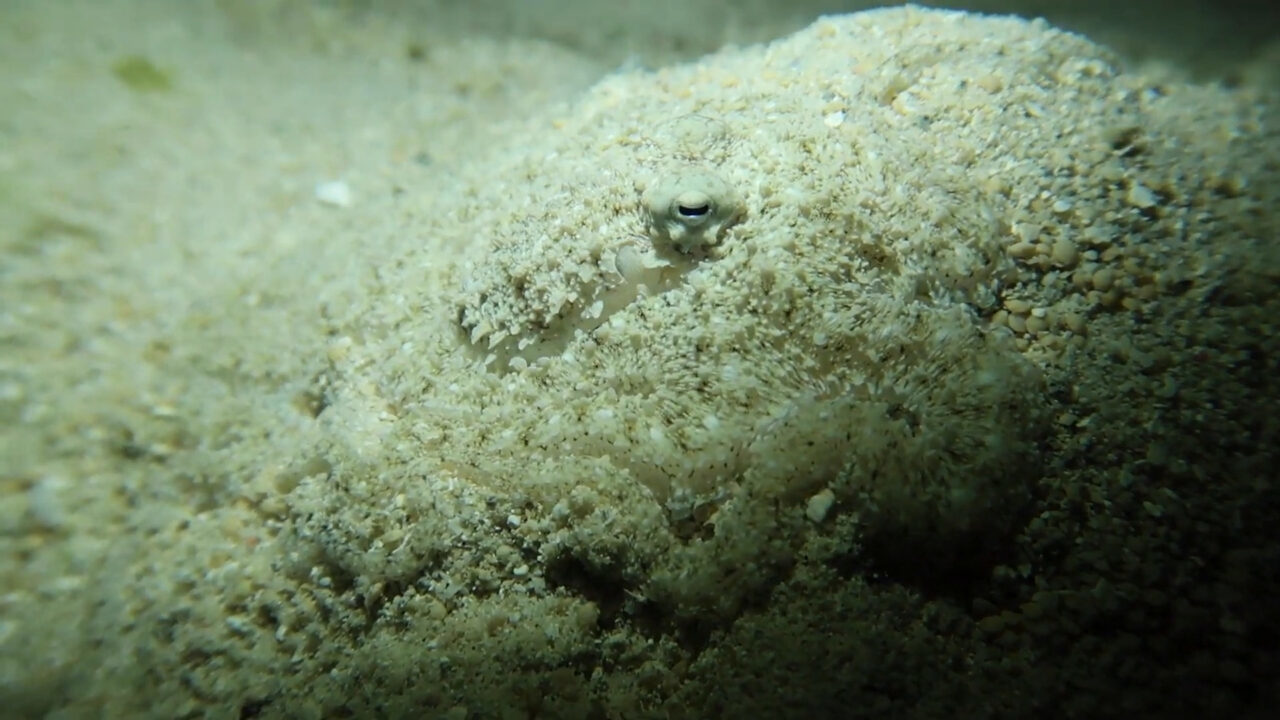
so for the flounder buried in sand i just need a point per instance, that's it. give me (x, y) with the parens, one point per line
(686, 293)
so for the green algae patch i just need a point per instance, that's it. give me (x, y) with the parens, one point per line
(141, 75)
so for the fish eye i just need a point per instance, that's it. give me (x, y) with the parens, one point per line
(693, 206)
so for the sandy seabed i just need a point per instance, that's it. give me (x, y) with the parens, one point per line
(905, 363)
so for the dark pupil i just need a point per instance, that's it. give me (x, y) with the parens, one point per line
(698, 211)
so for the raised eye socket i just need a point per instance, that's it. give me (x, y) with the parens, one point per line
(689, 209)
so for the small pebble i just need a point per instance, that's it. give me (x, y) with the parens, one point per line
(1140, 196)
(335, 193)
(1014, 305)
(1064, 253)
(819, 505)
(1022, 250)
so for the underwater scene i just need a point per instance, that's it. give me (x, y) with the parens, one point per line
(550, 359)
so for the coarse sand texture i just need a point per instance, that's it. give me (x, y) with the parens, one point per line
(919, 364)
